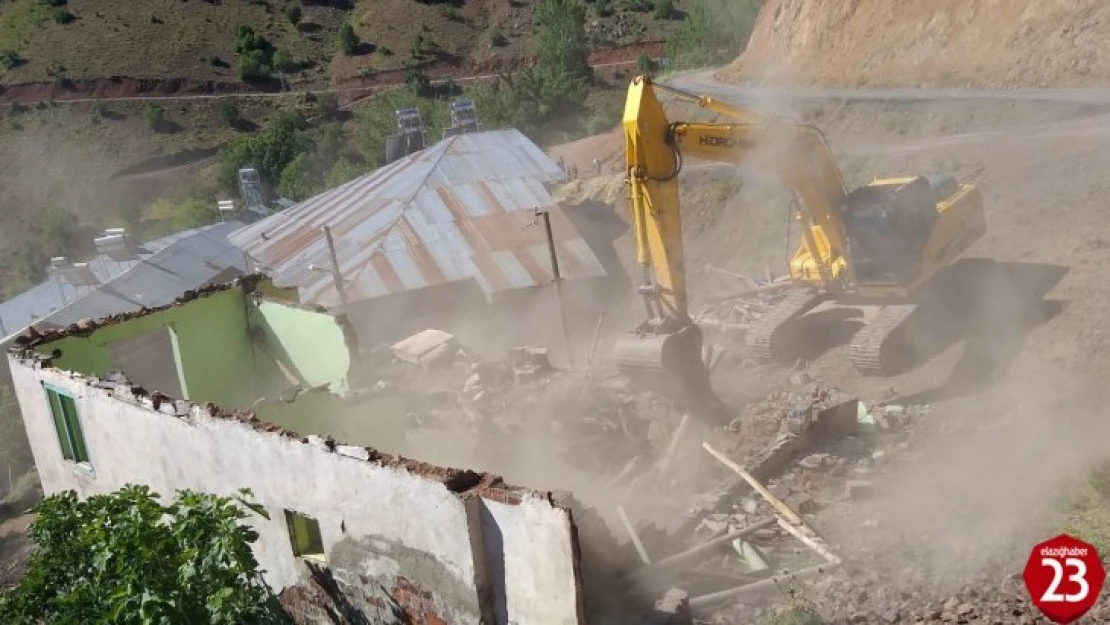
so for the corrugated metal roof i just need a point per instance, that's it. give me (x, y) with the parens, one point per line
(51, 295)
(460, 209)
(168, 267)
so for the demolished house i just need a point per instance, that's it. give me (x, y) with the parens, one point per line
(434, 239)
(202, 409)
(239, 385)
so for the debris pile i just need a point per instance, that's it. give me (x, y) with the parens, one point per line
(742, 500)
(591, 418)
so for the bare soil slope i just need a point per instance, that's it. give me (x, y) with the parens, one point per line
(195, 41)
(941, 42)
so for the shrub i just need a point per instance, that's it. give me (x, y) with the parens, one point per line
(664, 9)
(253, 67)
(55, 3)
(497, 39)
(229, 112)
(127, 557)
(451, 13)
(418, 81)
(348, 40)
(63, 16)
(424, 44)
(293, 14)
(645, 63)
(98, 111)
(155, 116)
(10, 59)
(327, 105)
(283, 60)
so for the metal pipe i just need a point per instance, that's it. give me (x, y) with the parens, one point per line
(706, 602)
(335, 269)
(558, 279)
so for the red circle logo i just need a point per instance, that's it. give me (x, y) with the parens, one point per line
(1064, 577)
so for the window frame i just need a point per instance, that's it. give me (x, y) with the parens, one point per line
(312, 546)
(68, 428)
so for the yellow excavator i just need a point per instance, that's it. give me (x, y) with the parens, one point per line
(872, 249)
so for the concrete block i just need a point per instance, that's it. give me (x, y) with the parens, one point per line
(859, 489)
(425, 348)
(672, 609)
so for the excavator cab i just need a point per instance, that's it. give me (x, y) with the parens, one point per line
(885, 220)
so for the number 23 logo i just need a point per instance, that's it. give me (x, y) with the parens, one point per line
(1079, 577)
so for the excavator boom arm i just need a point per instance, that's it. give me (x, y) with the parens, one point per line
(655, 149)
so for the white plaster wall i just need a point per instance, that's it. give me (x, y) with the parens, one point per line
(130, 443)
(540, 582)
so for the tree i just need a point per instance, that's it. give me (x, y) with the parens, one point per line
(256, 54)
(252, 66)
(712, 28)
(348, 40)
(561, 38)
(418, 81)
(557, 85)
(127, 558)
(296, 179)
(269, 151)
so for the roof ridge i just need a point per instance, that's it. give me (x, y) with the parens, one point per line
(405, 204)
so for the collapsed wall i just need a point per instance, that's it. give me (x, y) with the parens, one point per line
(927, 42)
(396, 537)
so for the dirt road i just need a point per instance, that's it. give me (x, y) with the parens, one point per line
(703, 82)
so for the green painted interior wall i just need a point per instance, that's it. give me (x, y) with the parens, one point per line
(215, 350)
(230, 362)
(310, 344)
(379, 423)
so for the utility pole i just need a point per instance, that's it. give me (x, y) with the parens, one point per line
(558, 283)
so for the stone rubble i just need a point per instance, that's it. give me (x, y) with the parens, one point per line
(812, 446)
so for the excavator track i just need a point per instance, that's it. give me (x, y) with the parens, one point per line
(759, 342)
(876, 347)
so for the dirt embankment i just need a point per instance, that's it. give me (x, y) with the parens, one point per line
(928, 42)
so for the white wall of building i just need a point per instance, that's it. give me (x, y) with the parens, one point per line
(377, 521)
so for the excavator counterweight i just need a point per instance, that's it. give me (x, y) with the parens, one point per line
(872, 249)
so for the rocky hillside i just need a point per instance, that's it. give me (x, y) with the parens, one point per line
(928, 42)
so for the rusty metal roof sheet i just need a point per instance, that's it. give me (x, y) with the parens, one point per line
(463, 208)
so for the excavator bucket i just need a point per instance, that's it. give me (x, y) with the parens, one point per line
(671, 364)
